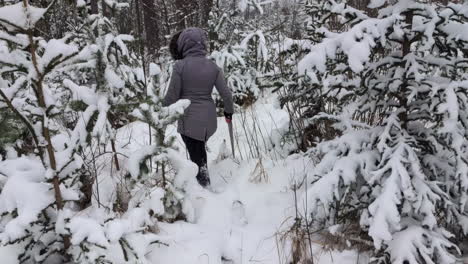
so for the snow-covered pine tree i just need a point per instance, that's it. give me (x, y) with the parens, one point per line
(302, 99)
(399, 165)
(246, 5)
(223, 32)
(119, 228)
(240, 49)
(255, 41)
(160, 164)
(114, 75)
(63, 91)
(296, 94)
(38, 185)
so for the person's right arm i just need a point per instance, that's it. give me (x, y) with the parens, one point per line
(174, 92)
(226, 95)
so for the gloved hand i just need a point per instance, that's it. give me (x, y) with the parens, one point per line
(228, 117)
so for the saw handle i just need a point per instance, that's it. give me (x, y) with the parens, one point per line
(228, 117)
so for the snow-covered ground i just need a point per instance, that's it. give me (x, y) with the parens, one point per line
(250, 206)
(224, 230)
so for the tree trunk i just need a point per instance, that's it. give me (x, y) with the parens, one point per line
(94, 7)
(116, 159)
(139, 29)
(406, 49)
(180, 14)
(167, 26)
(363, 5)
(104, 7)
(151, 23)
(205, 9)
(52, 164)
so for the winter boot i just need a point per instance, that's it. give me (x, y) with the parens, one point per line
(203, 177)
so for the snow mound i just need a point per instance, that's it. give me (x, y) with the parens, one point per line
(25, 192)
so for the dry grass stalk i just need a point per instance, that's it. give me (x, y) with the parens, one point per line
(259, 174)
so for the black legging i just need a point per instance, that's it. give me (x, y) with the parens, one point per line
(197, 153)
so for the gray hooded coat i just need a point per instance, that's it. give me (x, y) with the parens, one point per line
(193, 78)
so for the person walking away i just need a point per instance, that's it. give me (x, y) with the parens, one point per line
(193, 78)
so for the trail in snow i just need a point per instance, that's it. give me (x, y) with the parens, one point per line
(224, 231)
